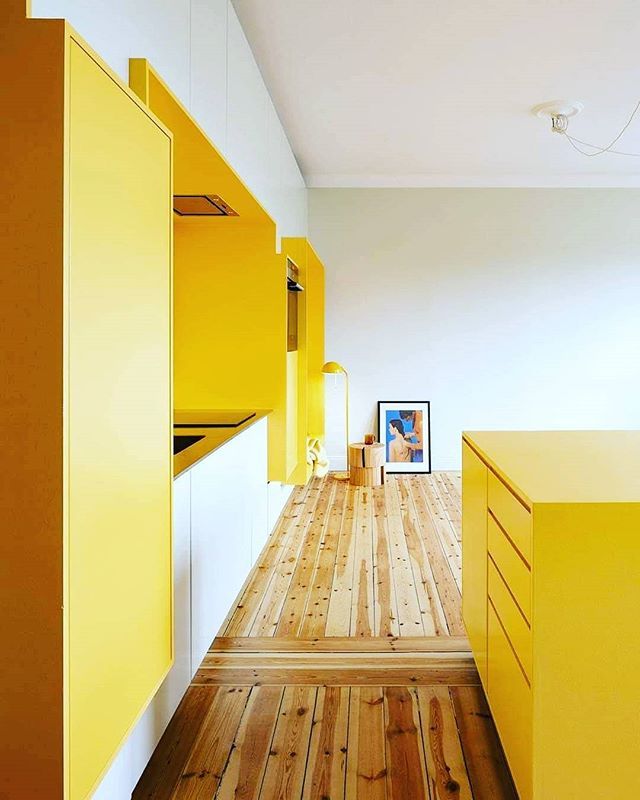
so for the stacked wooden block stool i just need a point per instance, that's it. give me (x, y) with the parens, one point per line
(366, 464)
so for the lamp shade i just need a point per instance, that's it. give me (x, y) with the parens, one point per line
(333, 368)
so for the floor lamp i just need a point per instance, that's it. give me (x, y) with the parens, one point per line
(333, 368)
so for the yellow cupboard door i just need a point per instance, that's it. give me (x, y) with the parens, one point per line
(119, 597)
(474, 555)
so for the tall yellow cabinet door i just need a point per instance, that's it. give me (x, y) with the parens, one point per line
(119, 598)
(474, 561)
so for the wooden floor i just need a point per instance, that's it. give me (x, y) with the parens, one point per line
(343, 673)
(350, 561)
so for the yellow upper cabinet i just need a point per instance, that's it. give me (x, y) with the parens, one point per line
(85, 394)
(230, 284)
(230, 314)
(305, 381)
(550, 599)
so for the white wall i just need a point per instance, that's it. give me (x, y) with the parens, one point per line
(202, 53)
(507, 308)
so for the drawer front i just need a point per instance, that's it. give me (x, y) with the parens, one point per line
(513, 569)
(511, 514)
(474, 556)
(511, 706)
(514, 624)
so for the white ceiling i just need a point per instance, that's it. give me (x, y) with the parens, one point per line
(438, 92)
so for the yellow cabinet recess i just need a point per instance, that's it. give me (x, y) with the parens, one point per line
(550, 601)
(230, 313)
(85, 377)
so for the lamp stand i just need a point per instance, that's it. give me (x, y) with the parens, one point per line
(345, 476)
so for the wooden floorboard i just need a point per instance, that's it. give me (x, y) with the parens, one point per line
(427, 667)
(343, 672)
(340, 644)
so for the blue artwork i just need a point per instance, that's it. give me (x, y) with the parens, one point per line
(404, 436)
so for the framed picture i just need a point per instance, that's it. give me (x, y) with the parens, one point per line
(405, 430)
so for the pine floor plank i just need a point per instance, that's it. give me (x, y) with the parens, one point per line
(348, 659)
(342, 644)
(284, 775)
(339, 614)
(363, 605)
(453, 673)
(211, 750)
(242, 779)
(409, 612)
(448, 778)
(406, 763)
(386, 602)
(433, 618)
(327, 759)
(424, 568)
(366, 758)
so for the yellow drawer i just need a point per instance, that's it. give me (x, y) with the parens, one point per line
(511, 705)
(511, 514)
(514, 624)
(513, 569)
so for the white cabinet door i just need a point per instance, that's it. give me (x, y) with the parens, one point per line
(181, 672)
(220, 543)
(257, 486)
(228, 529)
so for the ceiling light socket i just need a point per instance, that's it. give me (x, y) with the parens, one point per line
(559, 112)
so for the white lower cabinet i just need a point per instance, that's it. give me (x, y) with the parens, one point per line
(228, 529)
(220, 524)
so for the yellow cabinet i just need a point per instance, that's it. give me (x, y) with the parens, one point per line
(474, 555)
(305, 381)
(85, 377)
(230, 314)
(559, 657)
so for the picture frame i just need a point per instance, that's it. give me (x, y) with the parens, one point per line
(402, 427)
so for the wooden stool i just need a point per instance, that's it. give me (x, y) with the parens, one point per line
(366, 464)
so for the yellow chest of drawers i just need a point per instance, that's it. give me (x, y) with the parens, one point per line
(551, 599)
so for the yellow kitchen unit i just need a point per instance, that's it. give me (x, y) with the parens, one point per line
(231, 345)
(551, 596)
(305, 381)
(85, 397)
(230, 324)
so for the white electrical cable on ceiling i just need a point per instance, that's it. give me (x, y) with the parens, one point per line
(574, 142)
